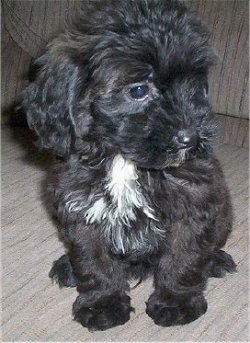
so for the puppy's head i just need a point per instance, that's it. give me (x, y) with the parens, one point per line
(130, 77)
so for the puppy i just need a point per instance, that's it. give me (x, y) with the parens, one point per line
(122, 99)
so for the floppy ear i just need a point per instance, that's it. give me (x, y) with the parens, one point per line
(50, 100)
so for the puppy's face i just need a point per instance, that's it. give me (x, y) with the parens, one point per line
(149, 96)
(156, 120)
(146, 90)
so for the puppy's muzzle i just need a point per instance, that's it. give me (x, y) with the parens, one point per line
(186, 139)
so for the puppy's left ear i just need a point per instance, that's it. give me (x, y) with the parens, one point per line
(50, 100)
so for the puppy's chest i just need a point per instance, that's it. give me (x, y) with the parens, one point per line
(125, 216)
(122, 196)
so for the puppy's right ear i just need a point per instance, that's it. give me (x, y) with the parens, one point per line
(50, 100)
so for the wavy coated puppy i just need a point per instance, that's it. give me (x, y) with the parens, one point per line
(121, 98)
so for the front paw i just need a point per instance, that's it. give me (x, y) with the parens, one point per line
(169, 311)
(106, 312)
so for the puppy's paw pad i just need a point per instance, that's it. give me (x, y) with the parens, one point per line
(184, 312)
(62, 272)
(106, 313)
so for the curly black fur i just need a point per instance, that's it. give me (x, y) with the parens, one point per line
(122, 98)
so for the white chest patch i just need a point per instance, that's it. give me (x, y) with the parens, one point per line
(125, 190)
(97, 212)
(123, 187)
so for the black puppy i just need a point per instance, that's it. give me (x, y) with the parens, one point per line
(122, 98)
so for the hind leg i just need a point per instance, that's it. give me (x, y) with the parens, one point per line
(221, 264)
(62, 272)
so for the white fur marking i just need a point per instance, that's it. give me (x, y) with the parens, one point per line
(96, 212)
(75, 204)
(126, 193)
(125, 190)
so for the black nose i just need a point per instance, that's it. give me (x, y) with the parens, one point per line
(186, 138)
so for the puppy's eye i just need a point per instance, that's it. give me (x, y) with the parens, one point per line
(139, 92)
